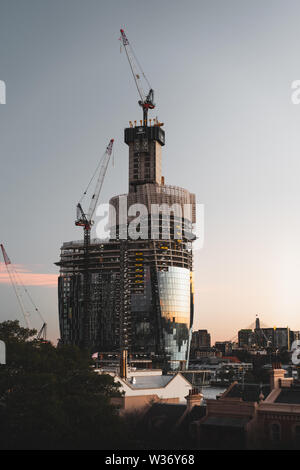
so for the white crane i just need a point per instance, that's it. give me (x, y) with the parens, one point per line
(86, 220)
(20, 291)
(147, 98)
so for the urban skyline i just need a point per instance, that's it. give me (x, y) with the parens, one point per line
(150, 259)
(245, 164)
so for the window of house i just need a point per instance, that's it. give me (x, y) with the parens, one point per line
(297, 434)
(275, 432)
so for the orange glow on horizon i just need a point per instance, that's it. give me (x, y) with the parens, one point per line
(27, 277)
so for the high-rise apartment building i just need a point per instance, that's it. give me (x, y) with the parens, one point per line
(141, 285)
(200, 339)
(245, 338)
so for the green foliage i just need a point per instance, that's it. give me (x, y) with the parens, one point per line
(50, 398)
(11, 331)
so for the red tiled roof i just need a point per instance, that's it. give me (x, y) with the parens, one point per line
(232, 359)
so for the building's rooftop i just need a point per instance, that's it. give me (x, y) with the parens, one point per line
(196, 413)
(93, 241)
(290, 395)
(248, 392)
(231, 359)
(149, 381)
(168, 414)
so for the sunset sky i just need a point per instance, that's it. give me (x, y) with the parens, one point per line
(28, 278)
(222, 72)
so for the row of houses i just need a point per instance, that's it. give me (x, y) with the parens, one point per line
(170, 413)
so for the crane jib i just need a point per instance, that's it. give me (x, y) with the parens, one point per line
(147, 99)
(85, 221)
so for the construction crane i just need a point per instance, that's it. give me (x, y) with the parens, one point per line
(146, 98)
(20, 289)
(85, 220)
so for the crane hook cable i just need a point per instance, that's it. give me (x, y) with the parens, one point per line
(136, 77)
(92, 178)
(137, 61)
(29, 296)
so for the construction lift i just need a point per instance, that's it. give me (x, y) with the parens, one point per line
(146, 98)
(20, 289)
(85, 220)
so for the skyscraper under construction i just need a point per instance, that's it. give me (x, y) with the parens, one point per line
(140, 278)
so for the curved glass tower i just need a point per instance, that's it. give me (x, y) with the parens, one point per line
(141, 279)
(160, 300)
(175, 301)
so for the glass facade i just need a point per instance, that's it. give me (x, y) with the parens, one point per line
(175, 303)
(170, 333)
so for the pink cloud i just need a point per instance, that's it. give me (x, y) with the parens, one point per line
(27, 277)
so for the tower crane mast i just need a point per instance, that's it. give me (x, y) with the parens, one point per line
(146, 98)
(85, 220)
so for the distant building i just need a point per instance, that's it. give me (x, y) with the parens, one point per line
(280, 338)
(245, 338)
(202, 353)
(200, 339)
(200, 344)
(295, 335)
(276, 337)
(235, 370)
(225, 347)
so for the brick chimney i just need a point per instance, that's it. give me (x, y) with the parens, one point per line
(276, 375)
(193, 398)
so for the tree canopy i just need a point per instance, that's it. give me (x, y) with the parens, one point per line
(50, 398)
